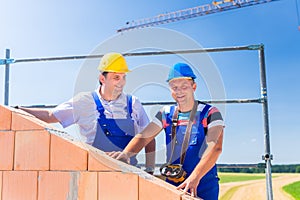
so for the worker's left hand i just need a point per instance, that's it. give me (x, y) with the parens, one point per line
(190, 185)
(119, 156)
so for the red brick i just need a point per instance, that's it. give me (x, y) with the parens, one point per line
(188, 197)
(117, 185)
(19, 185)
(66, 155)
(54, 185)
(32, 150)
(0, 185)
(67, 185)
(23, 122)
(5, 118)
(88, 186)
(7, 150)
(153, 188)
(98, 162)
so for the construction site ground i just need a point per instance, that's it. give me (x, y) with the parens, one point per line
(256, 189)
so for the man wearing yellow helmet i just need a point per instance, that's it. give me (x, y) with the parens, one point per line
(107, 117)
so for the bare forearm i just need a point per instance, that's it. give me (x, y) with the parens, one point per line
(207, 162)
(41, 114)
(137, 143)
(135, 146)
(150, 154)
(210, 157)
(142, 139)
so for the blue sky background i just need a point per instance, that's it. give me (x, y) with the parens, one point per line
(34, 29)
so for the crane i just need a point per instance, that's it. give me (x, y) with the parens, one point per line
(214, 7)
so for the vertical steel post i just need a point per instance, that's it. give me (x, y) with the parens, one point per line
(6, 89)
(267, 157)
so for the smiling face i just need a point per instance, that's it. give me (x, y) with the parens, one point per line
(112, 85)
(182, 90)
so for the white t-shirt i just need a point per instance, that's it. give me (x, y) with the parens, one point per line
(82, 110)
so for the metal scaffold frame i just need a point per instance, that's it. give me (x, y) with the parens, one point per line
(263, 99)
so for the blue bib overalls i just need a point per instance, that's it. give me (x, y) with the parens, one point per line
(114, 134)
(208, 188)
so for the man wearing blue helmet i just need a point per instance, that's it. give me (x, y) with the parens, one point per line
(194, 137)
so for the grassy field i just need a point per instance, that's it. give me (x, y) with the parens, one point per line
(236, 177)
(293, 189)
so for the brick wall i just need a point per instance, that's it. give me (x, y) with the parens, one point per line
(39, 162)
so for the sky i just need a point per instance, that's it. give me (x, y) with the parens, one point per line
(33, 29)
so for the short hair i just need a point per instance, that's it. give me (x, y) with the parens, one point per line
(104, 74)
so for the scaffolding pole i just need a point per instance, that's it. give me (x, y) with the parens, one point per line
(6, 80)
(222, 101)
(149, 53)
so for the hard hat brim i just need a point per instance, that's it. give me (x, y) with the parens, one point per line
(188, 78)
(114, 71)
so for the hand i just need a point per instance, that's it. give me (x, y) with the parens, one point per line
(190, 184)
(119, 156)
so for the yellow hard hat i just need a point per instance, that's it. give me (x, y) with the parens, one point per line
(113, 62)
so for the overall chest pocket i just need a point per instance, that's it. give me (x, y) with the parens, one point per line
(194, 135)
(119, 128)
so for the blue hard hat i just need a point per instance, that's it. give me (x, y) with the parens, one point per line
(181, 70)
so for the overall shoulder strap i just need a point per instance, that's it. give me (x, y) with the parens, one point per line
(174, 114)
(129, 105)
(98, 103)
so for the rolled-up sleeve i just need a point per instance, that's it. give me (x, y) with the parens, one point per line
(64, 113)
(139, 115)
